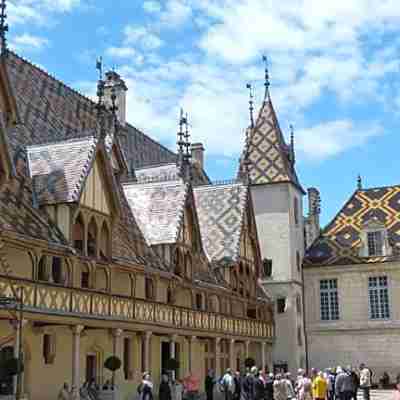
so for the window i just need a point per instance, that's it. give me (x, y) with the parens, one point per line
(170, 296)
(127, 358)
(85, 276)
(298, 304)
(42, 269)
(299, 336)
(375, 243)
(149, 289)
(56, 270)
(267, 267)
(281, 305)
(78, 234)
(48, 349)
(92, 239)
(329, 300)
(252, 313)
(296, 211)
(199, 301)
(298, 261)
(378, 297)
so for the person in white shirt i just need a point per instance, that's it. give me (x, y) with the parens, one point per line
(365, 380)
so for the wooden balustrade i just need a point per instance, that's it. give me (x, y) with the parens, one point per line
(49, 298)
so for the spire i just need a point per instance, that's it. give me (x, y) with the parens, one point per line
(180, 138)
(359, 182)
(3, 27)
(292, 152)
(183, 142)
(101, 108)
(266, 81)
(114, 110)
(251, 104)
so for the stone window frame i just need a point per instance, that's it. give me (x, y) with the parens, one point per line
(385, 314)
(328, 291)
(372, 226)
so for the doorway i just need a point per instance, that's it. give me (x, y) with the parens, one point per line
(166, 355)
(6, 382)
(91, 368)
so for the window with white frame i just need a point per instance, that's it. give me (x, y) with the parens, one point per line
(375, 243)
(378, 297)
(329, 300)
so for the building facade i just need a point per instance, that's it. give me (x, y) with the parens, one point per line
(351, 275)
(117, 246)
(277, 194)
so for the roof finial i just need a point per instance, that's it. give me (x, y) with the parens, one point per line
(292, 152)
(251, 104)
(3, 27)
(100, 99)
(114, 109)
(359, 182)
(180, 142)
(266, 82)
(99, 67)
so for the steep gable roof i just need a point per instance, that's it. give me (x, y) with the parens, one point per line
(158, 208)
(340, 242)
(268, 156)
(220, 210)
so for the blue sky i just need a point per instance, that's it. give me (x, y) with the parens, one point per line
(334, 69)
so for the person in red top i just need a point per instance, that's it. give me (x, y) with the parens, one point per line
(192, 386)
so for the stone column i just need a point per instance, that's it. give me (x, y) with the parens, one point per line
(232, 358)
(172, 351)
(217, 357)
(17, 336)
(192, 341)
(146, 351)
(263, 355)
(76, 372)
(247, 348)
(118, 352)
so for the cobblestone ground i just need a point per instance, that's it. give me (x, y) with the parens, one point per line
(379, 395)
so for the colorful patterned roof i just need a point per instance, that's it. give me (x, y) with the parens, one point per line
(59, 170)
(268, 154)
(220, 209)
(341, 243)
(158, 208)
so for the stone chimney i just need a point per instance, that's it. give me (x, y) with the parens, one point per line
(114, 80)
(197, 150)
(312, 225)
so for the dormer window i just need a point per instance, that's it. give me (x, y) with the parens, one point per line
(375, 243)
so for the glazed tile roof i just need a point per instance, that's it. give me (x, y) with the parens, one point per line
(51, 111)
(268, 154)
(340, 242)
(59, 170)
(158, 208)
(220, 209)
(17, 214)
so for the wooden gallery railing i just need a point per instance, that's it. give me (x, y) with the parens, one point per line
(50, 298)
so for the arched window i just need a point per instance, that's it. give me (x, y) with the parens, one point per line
(105, 243)
(78, 234)
(149, 289)
(178, 263)
(57, 270)
(92, 239)
(42, 269)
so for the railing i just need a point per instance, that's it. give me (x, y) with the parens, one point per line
(51, 299)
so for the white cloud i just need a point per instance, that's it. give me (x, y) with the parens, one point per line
(121, 52)
(27, 42)
(142, 36)
(151, 6)
(328, 139)
(176, 13)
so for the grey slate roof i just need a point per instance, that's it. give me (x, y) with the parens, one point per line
(158, 208)
(58, 170)
(220, 209)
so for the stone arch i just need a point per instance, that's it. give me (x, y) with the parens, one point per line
(102, 279)
(43, 270)
(92, 236)
(105, 243)
(78, 233)
(85, 276)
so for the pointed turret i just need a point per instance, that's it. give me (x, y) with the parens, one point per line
(269, 159)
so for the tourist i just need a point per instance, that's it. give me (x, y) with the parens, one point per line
(145, 389)
(280, 390)
(344, 387)
(228, 384)
(238, 386)
(397, 389)
(269, 387)
(164, 391)
(289, 385)
(259, 387)
(178, 390)
(365, 381)
(330, 379)
(248, 386)
(304, 386)
(64, 393)
(209, 385)
(191, 385)
(320, 387)
(356, 382)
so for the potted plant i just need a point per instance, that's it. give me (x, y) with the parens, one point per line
(113, 363)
